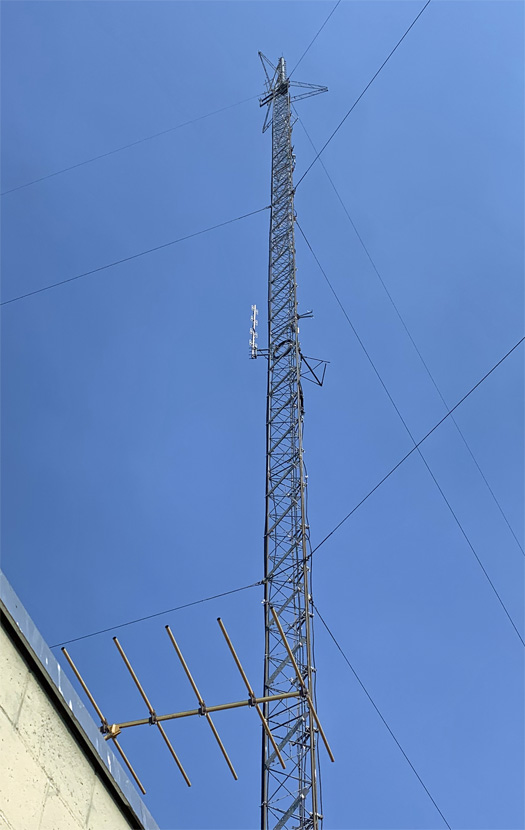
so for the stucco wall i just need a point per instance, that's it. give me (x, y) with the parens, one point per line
(46, 780)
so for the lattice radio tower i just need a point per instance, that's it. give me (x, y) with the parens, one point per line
(290, 797)
(290, 784)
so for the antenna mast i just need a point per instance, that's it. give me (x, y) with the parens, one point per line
(290, 786)
(290, 798)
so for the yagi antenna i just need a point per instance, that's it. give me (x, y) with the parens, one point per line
(111, 731)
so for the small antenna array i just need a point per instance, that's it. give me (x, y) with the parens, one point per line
(253, 333)
(112, 731)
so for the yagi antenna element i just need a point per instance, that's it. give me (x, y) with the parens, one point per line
(109, 732)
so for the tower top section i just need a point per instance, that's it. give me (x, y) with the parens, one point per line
(278, 83)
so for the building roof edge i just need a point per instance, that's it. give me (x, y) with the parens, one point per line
(74, 710)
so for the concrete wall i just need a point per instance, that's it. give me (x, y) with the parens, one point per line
(47, 782)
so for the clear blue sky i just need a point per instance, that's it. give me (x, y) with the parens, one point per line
(133, 420)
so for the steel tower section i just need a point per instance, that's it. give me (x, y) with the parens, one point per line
(290, 797)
